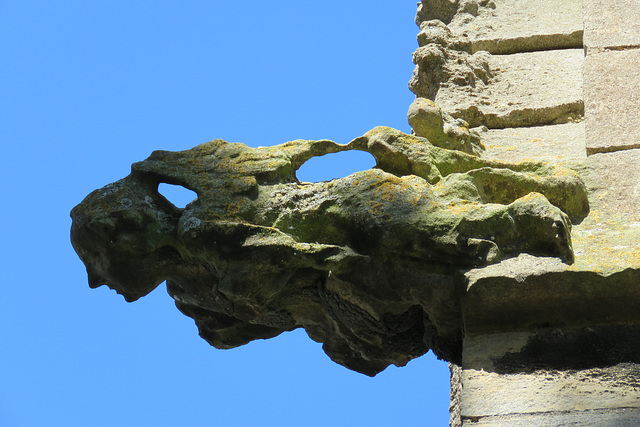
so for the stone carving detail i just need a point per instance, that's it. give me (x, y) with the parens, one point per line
(441, 129)
(446, 58)
(368, 264)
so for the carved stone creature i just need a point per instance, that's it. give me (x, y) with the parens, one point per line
(368, 264)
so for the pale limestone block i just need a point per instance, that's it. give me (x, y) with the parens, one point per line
(611, 23)
(563, 143)
(511, 26)
(612, 100)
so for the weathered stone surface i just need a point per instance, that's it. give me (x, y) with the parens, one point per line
(618, 202)
(612, 97)
(530, 315)
(368, 264)
(526, 293)
(440, 59)
(533, 292)
(525, 89)
(488, 394)
(455, 392)
(553, 348)
(441, 129)
(497, 91)
(611, 24)
(508, 26)
(605, 242)
(462, 66)
(442, 10)
(564, 144)
(548, 344)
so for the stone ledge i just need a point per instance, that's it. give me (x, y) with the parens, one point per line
(526, 89)
(530, 292)
(546, 394)
(529, 43)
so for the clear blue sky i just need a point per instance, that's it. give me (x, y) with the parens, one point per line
(89, 87)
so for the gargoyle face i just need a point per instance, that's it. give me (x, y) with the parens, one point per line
(124, 233)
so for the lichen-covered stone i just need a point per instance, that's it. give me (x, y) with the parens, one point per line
(368, 264)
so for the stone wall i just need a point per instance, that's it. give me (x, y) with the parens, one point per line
(547, 343)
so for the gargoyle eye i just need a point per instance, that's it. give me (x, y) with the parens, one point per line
(177, 194)
(334, 165)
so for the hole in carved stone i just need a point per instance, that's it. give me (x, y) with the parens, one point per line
(177, 194)
(335, 165)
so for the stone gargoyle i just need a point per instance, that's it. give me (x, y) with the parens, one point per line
(368, 264)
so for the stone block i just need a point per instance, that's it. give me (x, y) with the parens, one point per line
(607, 240)
(488, 397)
(533, 292)
(553, 349)
(512, 26)
(562, 143)
(525, 89)
(612, 100)
(611, 23)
